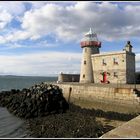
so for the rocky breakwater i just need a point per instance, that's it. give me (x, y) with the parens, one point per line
(39, 100)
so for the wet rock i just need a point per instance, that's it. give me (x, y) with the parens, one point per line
(36, 101)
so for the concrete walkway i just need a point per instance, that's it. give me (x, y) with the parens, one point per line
(130, 129)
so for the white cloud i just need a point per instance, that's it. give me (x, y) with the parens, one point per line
(70, 22)
(13, 7)
(14, 36)
(5, 18)
(41, 64)
(2, 40)
(138, 57)
(17, 35)
(37, 4)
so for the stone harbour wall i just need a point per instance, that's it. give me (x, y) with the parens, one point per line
(68, 77)
(123, 100)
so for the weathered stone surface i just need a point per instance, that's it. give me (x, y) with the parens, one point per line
(107, 98)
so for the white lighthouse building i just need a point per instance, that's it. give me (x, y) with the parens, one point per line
(90, 45)
(106, 67)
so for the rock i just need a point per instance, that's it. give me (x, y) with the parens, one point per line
(36, 101)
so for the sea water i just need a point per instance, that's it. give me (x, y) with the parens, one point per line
(10, 125)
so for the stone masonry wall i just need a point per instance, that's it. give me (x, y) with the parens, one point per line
(68, 77)
(122, 100)
(116, 71)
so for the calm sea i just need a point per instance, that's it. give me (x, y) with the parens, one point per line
(10, 125)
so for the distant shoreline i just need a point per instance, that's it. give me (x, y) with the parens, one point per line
(24, 76)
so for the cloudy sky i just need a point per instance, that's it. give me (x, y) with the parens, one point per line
(43, 38)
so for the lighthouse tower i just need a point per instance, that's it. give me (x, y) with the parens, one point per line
(90, 45)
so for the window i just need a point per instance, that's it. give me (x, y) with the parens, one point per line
(115, 74)
(115, 61)
(85, 49)
(108, 73)
(103, 62)
(83, 75)
(84, 61)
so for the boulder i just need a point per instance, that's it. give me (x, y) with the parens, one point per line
(38, 100)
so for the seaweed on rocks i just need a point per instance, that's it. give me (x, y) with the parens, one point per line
(66, 125)
(77, 122)
(100, 113)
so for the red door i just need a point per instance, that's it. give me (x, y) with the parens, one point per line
(104, 77)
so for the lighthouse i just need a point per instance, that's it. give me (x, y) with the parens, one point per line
(90, 45)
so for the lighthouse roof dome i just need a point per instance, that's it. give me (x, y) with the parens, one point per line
(90, 36)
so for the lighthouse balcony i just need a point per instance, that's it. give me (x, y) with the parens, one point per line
(90, 43)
